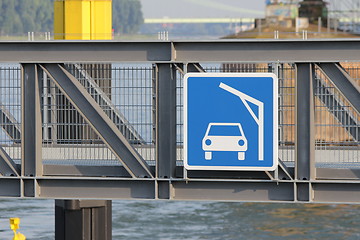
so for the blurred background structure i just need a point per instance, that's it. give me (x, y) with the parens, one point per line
(189, 19)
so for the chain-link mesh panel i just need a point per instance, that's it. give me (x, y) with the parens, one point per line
(10, 110)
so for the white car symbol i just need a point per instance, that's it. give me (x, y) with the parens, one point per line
(224, 137)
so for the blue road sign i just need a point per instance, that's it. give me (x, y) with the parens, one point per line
(230, 121)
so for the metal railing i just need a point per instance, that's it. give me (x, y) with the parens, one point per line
(125, 93)
(94, 126)
(10, 110)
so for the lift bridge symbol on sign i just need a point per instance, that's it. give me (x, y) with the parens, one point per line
(230, 121)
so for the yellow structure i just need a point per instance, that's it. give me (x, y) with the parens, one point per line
(83, 19)
(14, 225)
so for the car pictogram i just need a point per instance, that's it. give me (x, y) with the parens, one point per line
(224, 137)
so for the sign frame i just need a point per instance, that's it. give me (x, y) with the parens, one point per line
(275, 121)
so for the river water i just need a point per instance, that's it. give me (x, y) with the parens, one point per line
(198, 220)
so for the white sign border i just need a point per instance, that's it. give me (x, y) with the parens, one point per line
(275, 120)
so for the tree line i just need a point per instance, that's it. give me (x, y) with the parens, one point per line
(22, 16)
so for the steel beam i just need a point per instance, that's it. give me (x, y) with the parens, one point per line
(9, 124)
(7, 165)
(166, 120)
(305, 111)
(103, 100)
(84, 51)
(267, 51)
(337, 174)
(99, 121)
(96, 188)
(336, 192)
(31, 126)
(28, 188)
(85, 171)
(330, 50)
(194, 67)
(10, 187)
(247, 190)
(337, 109)
(343, 82)
(232, 191)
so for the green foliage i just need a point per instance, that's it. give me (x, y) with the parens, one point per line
(127, 16)
(22, 16)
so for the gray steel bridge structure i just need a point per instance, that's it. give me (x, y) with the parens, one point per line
(298, 178)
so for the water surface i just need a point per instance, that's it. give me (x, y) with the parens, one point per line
(198, 220)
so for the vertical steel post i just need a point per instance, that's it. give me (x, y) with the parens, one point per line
(165, 120)
(31, 126)
(305, 126)
(83, 219)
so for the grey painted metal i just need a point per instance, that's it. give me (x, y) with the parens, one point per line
(126, 128)
(336, 174)
(302, 192)
(267, 50)
(166, 121)
(107, 182)
(85, 171)
(28, 188)
(343, 82)
(336, 107)
(119, 171)
(163, 190)
(329, 50)
(31, 128)
(336, 192)
(10, 126)
(233, 191)
(324, 190)
(83, 219)
(305, 138)
(195, 67)
(95, 188)
(221, 190)
(7, 165)
(84, 51)
(10, 187)
(100, 122)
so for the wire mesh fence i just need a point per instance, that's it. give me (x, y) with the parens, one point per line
(10, 110)
(126, 93)
(123, 93)
(337, 124)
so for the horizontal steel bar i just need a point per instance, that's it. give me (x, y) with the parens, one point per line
(93, 189)
(328, 50)
(271, 191)
(10, 187)
(336, 193)
(84, 51)
(85, 171)
(233, 191)
(337, 174)
(268, 51)
(322, 191)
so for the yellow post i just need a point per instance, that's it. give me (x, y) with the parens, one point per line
(59, 29)
(14, 225)
(83, 19)
(101, 20)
